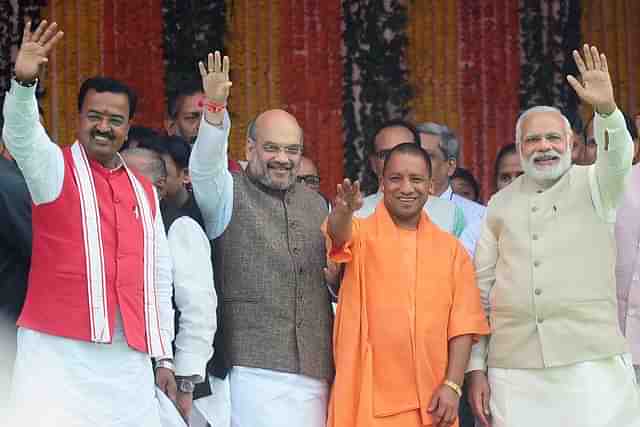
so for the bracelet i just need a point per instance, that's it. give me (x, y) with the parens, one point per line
(25, 83)
(166, 363)
(214, 107)
(453, 386)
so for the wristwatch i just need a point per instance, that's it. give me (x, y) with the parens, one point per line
(185, 385)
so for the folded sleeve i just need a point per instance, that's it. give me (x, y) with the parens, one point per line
(342, 254)
(466, 315)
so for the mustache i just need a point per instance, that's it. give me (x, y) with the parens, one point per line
(548, 153)
(280, 165)
(108, 135)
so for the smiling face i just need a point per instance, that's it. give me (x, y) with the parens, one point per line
(274, 158)
(545, 147)
(405, 185)
(103, 125)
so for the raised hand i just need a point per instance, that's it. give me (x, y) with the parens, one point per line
(348, 197)
(34, 49)
(215, 78)
(595, 87)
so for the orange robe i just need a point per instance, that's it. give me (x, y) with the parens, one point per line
(394, 319)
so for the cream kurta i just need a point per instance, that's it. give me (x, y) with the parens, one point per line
(545, 264)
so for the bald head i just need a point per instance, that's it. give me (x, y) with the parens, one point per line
(148, 164)
(274, 149)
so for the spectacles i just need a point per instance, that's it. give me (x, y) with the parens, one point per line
(290, 150)
(308, 179)
(382, 154)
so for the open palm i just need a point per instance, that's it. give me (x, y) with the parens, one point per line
(594, 86)
(215, 78)
(34, 49)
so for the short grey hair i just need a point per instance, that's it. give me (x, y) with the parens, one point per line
(540, 109)
(153, 168)
(449, 144)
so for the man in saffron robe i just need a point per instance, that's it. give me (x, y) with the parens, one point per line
(404, 328)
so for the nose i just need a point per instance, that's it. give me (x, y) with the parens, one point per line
(406, 187)
(103, 125)
(282, 157)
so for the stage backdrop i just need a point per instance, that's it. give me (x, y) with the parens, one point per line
(341, 67)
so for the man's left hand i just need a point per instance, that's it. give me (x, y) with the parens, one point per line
(184, 403)
(444, 406)
(595, 87)
(166, 381)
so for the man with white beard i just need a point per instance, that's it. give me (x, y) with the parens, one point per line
(545, 265)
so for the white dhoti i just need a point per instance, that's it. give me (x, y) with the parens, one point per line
(71, 383)
(599, 393)
(266, 398)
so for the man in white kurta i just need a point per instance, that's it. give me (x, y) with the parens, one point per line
(545, 264)
(98, 305)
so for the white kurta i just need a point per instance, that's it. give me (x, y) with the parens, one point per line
(599, 393)
(60, 381)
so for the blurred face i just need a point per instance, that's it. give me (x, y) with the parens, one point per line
(463, 188)
(443, 168)
(275, 157)
(405, 185)
(509, 169)
(103, 125)
(308, 174)
(140, 164)
(384, 142)
(188, 115)
(176, 178)
(545, 148)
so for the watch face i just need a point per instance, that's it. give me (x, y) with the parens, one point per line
(185, 386)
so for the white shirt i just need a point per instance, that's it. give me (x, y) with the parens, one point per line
(473, 215)
(195, 297)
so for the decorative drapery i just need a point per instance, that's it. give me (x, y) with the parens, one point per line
(433, 61)
(311, 73)
(133, 52)
(253, 45)
(77, 57)
(614, 26)
(192, 29)
(376, 82)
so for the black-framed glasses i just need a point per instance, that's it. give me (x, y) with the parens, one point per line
(308, 179)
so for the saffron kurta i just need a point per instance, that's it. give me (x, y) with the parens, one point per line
(405, 294)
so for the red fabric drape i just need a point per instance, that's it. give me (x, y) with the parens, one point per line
(489, 78)
(311, 80)
(132, 49)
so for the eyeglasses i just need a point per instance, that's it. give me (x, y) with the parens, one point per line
(308, 179)
(382, 154)
(290, 150)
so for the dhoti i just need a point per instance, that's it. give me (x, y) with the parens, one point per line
(599, 393)
(71, 383)
(266, 398)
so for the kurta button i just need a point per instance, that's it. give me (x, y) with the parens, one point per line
(293, 225)
(540, 320)
(536, 263)
(534, 209)
(535, 237)
(296, 251)
(538, 291)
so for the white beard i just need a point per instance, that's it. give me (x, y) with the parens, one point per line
(546, 175)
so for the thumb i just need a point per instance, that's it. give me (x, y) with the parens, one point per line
(434, 404)
(576, 85)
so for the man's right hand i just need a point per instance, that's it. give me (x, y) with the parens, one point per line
(348, 197)
(216, 85)
(479, 396)
(34, 50)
